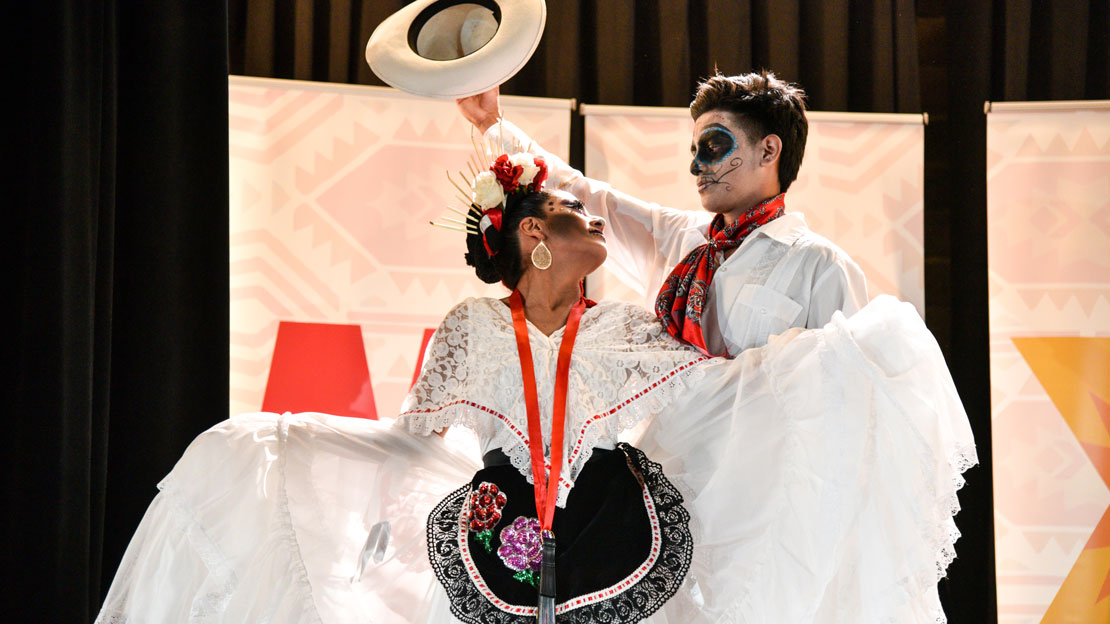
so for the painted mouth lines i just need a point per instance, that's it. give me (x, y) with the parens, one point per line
(706, 181)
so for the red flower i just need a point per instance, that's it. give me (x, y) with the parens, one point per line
(486, 504)
(541, 175)
(507, 174)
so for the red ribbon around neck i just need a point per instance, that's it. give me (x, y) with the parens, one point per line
(546, 489)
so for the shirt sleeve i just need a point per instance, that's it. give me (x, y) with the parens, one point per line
(645, 240)
(841, 286)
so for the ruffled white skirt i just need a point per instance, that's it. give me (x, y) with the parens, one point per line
(820, 473)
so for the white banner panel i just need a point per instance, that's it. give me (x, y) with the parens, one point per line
(1048, 211)
(332, 188)
(860, 185)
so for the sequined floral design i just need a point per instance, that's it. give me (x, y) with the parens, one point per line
(520, 549)
(486, 504)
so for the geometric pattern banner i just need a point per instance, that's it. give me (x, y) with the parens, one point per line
(861, 185)
(332, 188)
(1048, 241)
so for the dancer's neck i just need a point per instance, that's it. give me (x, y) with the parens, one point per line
(548, 298)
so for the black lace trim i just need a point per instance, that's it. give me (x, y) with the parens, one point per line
(634, 604)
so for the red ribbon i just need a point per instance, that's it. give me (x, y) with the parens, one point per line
(546, 489)
(494, 215)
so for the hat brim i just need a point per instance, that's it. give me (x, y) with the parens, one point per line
(394, 61)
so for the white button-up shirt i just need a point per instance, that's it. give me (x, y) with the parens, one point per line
(781, 276)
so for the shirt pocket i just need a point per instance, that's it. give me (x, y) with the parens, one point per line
(760, 312)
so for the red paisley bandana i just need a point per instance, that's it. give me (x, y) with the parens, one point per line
(682, 297)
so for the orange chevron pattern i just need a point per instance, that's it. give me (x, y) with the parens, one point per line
(861, 185)
(331, 192)
(1048, 209)
(1075, 373)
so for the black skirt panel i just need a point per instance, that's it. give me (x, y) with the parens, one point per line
(623, 543)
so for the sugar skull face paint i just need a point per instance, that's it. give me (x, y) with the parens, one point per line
(715, 144)
(726, 163)
(715, 155)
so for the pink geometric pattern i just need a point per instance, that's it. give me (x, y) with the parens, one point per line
(1048, 211)
(332, 188)
(860, 185)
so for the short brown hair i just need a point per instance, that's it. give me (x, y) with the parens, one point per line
(763, 105)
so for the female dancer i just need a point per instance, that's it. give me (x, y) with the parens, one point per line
(811, 480)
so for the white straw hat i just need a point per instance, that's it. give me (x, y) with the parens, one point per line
(455, 48)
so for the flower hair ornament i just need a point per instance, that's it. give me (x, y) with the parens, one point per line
(484, 194)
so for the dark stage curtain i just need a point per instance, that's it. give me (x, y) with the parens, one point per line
(118, 275)
(977, 52)
(849, 54)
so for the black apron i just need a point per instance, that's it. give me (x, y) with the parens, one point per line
(623, 543)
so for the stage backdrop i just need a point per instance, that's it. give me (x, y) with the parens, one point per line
(1048, 211)
(860, 185)
(332, 188)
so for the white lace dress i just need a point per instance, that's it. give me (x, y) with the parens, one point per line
(820, 473)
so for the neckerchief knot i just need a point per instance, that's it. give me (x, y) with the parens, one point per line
(682, 298)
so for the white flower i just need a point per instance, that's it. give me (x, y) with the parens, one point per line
(528, 163)
(487, 191)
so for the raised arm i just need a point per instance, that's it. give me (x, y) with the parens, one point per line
(645, 239)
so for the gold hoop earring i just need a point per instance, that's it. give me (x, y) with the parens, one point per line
(541, 257)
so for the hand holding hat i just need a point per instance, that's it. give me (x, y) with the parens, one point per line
(482, 110)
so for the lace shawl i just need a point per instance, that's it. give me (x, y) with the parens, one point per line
(624, 368)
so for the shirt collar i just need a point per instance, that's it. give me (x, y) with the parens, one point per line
(786, 229)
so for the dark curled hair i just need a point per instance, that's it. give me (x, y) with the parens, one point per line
(506, 265)
(763, 105)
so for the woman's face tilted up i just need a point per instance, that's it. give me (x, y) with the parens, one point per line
(576, 239)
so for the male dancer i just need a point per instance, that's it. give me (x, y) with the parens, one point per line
(744, 270)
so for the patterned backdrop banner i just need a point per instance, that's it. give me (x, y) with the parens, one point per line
(860, 185)
(1048, 210)
(332, 188)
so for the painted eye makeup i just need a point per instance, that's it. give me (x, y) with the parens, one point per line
(714, 145)
(576, 206)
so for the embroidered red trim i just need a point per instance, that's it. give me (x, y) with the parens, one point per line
(592, 420)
